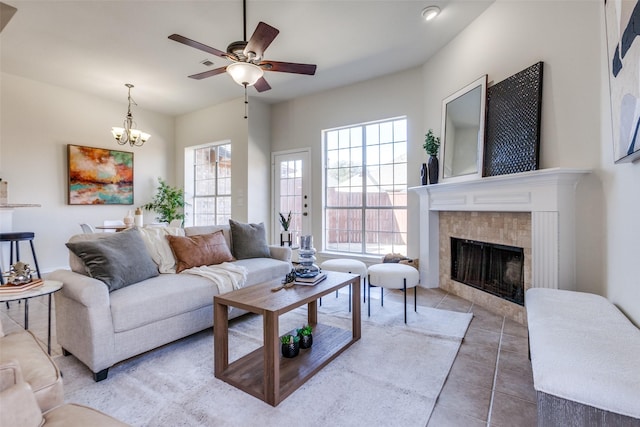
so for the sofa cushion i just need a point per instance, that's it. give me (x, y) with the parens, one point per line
(118, 260)
(196, 251)
(263, 269)
(249, 240)
(159, 298)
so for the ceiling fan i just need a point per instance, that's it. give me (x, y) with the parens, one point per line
(248, 66)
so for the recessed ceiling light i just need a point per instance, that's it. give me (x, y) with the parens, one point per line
(430, 12)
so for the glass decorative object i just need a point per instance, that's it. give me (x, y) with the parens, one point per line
(306, 258)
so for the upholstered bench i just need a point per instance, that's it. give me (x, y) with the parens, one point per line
(35, 367)
(584, 355)
(394, 276)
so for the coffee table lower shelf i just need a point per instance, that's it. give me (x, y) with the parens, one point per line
(247, 373)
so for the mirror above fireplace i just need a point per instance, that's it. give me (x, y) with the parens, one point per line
(463, 124)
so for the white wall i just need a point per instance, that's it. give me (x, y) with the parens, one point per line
(37, 122)
(250, 147)
(299, 123)
(622, 206)
(511, 36)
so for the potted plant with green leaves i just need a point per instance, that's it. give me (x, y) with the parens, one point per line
(306, 336)
(168, 202)
(290, 345)
(431, 146)
(285, 234)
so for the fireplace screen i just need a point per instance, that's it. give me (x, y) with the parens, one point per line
(496, 269)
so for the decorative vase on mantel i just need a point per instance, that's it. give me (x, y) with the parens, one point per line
(424, 175)
(433, 169)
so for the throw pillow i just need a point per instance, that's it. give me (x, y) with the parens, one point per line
(198, 250)
(118, 260)
(155, 238)
(249, 240)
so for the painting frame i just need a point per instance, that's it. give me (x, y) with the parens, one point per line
(99, 176)
(623, 55)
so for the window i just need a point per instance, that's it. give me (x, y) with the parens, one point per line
(365, 205)
(210, 201)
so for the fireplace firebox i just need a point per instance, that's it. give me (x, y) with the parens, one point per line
(493, 268)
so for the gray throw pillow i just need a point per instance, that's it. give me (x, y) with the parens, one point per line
(248, 240)
(118, 260)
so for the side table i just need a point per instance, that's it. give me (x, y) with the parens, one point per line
(48, 288)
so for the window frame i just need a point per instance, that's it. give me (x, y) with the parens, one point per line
(192, 181)
(396, 213)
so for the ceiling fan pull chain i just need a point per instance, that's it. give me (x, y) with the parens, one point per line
(246, 102)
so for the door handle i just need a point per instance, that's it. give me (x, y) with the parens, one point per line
(304, 214)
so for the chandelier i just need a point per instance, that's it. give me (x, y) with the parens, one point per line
(128, 134)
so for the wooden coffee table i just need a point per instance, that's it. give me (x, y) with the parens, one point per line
(264, 373)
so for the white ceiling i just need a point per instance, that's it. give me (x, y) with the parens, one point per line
(96, 46)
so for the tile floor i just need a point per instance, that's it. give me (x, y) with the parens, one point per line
(490, 383)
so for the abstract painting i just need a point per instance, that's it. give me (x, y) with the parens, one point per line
(623, 46)
(98, 176)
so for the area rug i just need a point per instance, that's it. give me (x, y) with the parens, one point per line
(391, 377)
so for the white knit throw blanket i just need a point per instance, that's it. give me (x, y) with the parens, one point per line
(225, 276)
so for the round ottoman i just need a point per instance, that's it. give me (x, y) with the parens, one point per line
(352, 266)
(394, 276)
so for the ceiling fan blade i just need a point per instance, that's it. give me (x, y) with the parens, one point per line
(288, 67)
(262, 85)
(209, 73)
(6, 13)
(261, 39)
(181, 39)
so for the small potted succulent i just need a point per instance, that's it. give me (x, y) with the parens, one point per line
(290, 345)
(306, 336)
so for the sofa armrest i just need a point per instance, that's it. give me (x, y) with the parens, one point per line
(86, 290)
(282, 253)
(84, 325)
(10, 374)
(19, 407)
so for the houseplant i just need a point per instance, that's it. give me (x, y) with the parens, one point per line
(285, 235)
(290, 345)
(431, 146)
(168, 202)
(306, 336)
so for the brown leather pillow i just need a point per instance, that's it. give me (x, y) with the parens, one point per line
(198, 250)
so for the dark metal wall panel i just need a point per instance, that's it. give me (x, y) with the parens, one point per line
(514, 107)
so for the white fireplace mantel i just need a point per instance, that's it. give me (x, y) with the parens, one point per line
(549, 194)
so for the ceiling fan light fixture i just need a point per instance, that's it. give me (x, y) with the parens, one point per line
(430, 12)
(245, 73)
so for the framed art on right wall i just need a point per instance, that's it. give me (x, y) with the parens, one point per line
(623, 26)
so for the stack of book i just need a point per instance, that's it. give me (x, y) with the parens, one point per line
(310, 280)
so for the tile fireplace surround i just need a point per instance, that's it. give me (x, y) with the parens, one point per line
(546, 196)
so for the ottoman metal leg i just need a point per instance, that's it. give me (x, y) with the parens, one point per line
(369, 298)
(405, 300)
